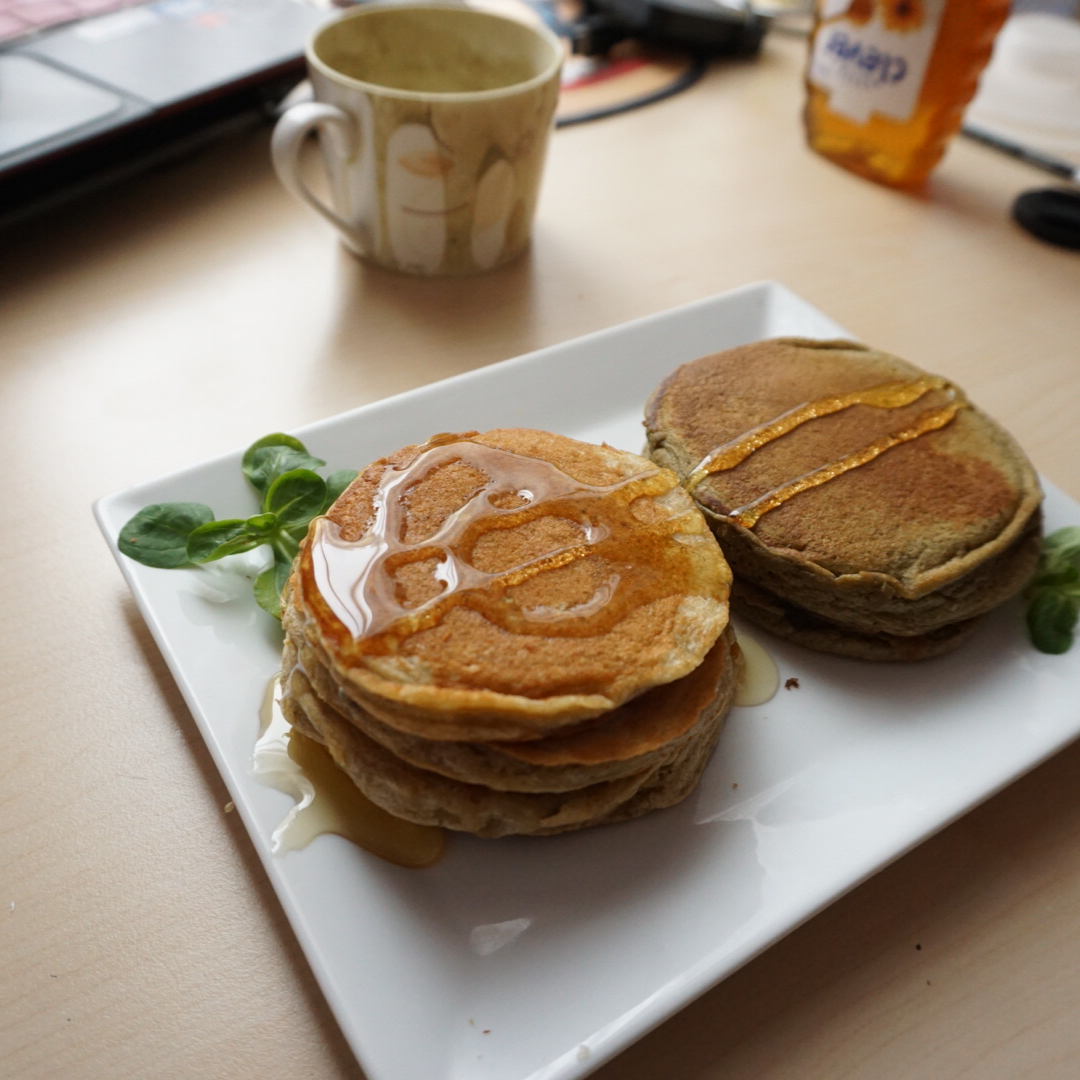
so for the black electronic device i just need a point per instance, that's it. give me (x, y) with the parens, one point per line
(703, 27)
(90, 100)
(1051, 214)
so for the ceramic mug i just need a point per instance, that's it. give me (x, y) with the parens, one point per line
(433, 122)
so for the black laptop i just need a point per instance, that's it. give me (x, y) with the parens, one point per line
(103, 92)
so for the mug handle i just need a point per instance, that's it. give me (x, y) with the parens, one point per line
(296, 123)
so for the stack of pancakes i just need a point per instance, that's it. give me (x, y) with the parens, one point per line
(512, 633)
(866, 508)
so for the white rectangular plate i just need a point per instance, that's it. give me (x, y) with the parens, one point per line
(542, 958)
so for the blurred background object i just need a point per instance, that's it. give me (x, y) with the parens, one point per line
(1030, 91)
(888, 81)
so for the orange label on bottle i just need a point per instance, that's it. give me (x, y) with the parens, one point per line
(870, 56)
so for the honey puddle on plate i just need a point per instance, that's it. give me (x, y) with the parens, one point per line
(327, 800)
(760, 677)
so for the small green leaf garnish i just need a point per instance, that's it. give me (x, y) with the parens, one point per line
(1063, 547)
(1054, 592)
(296, 497)
(158, 535)
(262, 524)
(214, 541)
(264, 461)
(269, 586)
(279, 467)
(1051, 618)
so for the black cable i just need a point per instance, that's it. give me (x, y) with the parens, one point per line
(697, 68)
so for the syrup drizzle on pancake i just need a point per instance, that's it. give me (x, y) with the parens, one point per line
(892, 395)
(327, 801)
(351, 586)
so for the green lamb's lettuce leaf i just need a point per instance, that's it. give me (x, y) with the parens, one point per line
(270, 584)
(295, 498)
(1051, 619)
(272, 456)
(263, 524)
(158, 535)
(279, 467)
(215, 540)
(1054, 592)
(1061, 549)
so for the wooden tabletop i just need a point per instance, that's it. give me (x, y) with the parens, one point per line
(184, 313)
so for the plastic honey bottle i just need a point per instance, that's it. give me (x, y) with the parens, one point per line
(888, 80)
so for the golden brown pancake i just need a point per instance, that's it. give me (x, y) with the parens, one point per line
(431, 798)
(512, 633)
(646, 731)
(520, 582)
(865, 507)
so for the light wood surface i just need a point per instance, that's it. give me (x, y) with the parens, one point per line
(187, 312)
